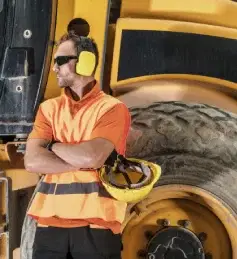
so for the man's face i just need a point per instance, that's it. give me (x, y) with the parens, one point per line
(65, 73)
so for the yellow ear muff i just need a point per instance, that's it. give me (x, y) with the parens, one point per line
(86, 63)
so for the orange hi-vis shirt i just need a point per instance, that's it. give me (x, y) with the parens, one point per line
(78, 198)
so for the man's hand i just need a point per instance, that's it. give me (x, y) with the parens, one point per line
(88, 154)
(38, 159)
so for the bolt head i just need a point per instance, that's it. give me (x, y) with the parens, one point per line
(163, 222)
(184, 223)
(27, 34)
(166, 222)
(202, 236)
(19, 88)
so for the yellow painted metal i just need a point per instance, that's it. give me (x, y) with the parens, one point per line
(131, 195)
(165, 25)
(3, 199)
(3, 238)
(95, 13)
(12, 163)
(3, 247)
(65, 13)
(215, 12)
(180, 202)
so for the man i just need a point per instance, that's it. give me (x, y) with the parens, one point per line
(73, 135)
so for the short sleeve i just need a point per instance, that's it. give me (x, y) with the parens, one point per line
(42, 127)
(114, 126)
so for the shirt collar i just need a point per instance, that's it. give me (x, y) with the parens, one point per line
(93, 92)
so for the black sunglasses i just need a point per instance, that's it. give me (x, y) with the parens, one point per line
(61, 60)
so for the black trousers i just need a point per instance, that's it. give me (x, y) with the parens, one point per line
(76, 243)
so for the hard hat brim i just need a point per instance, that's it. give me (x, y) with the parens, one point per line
(132, 195)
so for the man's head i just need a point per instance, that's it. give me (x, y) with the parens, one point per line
(66, 58)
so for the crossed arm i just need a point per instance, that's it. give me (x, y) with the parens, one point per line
(66, 157)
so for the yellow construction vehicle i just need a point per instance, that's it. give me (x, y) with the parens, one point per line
(174, 64)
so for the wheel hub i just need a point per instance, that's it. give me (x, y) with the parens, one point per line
(175, 243)
(189, 208)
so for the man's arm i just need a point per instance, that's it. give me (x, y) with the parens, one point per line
(38, 159)
(109, 133)
(89, 154)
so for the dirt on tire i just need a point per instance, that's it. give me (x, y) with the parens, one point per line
(195, 144)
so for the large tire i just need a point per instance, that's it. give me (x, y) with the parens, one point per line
(195, 144)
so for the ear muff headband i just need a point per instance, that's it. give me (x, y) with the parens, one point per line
(86, 63)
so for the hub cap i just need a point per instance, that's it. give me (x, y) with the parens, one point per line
(175, 243)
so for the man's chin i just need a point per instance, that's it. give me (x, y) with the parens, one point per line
(61, 83)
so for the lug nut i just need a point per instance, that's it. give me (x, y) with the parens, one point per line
(166, 223)
(185, 223)
(142, 253)
(163, 222)
(202, 237)
(159, 222)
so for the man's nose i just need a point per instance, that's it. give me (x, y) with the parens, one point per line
(55, 67)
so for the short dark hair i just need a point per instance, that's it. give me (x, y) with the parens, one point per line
(76, 39)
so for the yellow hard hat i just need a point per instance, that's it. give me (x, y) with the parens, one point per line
(128, 179)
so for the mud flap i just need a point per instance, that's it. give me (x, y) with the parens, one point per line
(28, 231)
